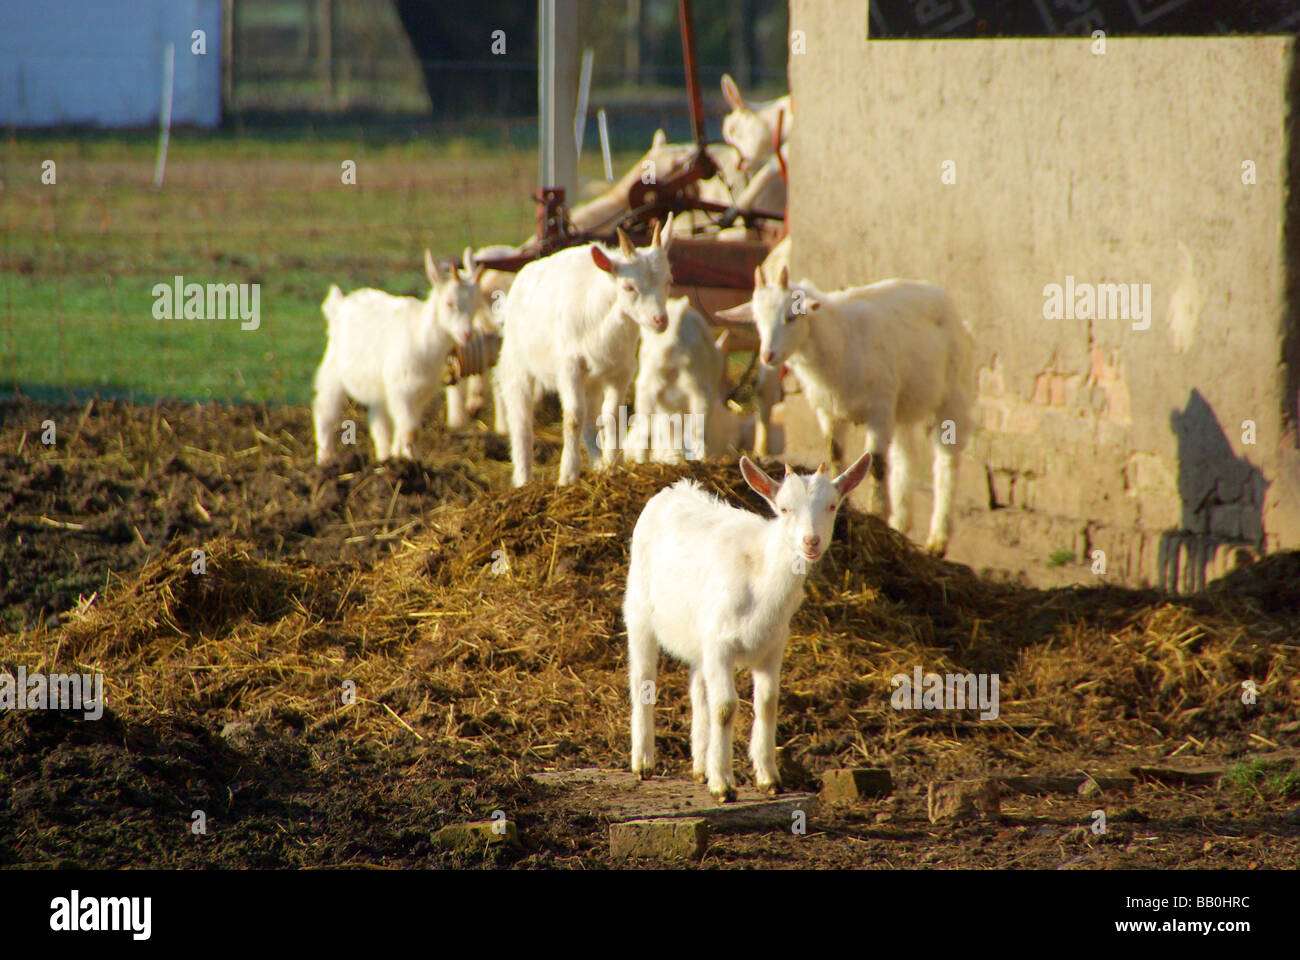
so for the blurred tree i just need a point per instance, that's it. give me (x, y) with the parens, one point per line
(636, 42)
(463, 74)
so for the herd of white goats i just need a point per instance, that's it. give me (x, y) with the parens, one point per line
(710, 584)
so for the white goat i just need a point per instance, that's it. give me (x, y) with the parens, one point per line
(388, 353)
(467, 396)
(715, 587)
(572, 328)
(679, 375)
(893, 356)
(750, 128)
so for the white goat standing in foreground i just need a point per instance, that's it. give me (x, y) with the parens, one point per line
(893, 356)
(715, 587)
(572, 328)
(388, 353)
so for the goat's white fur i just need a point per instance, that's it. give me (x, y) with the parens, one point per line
(388, 354)
(715, 587)
(572, 328)
(467, 396)
(893, 356)
(750, 127)
(680, 373)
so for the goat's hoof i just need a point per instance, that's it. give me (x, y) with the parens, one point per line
(724, 796)
(701, 778)
(645, 773)
(771, 789)
(937, 548)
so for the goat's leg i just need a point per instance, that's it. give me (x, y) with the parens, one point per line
(327, 408)
(475, 394)
(720, 686)
(697, 421)
(762, 742)
(573, 399)
(406, 412)
(902, 475)
(767, 394)
(879, 440)
(830, 434)
(642, 667)
(381, 431)
(499, 422)
(612, 397)
(516, 398)
(947, 458)
(457, 405)
(699, 725)
(638, 434)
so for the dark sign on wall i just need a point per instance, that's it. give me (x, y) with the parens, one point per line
(1064, 18)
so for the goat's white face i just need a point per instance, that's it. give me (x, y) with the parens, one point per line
(456, 299)
(750, 135)
(780, 313)
(641, 277)
(805, 506)
(744, 129)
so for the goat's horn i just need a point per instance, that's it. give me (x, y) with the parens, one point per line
(625, 242)
(758, 276)
(822, 468)
(654, 239)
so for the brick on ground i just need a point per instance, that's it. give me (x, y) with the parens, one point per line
(963, 800)
(660, 838)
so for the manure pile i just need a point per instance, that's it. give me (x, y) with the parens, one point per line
(497, 633)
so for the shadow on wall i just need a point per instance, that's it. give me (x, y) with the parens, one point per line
(1222, 502)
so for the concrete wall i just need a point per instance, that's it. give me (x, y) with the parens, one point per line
(1125, 167)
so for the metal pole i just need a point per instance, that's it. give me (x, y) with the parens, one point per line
(692, 69)
(546, 91)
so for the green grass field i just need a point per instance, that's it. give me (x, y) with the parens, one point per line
(79, 258)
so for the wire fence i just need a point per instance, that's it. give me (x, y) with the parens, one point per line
(91, 250)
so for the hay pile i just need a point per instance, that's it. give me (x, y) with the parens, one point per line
(499, 632)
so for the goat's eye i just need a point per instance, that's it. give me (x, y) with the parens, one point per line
(789, 318)
(630, 287)
(831, 508)
(784, 511)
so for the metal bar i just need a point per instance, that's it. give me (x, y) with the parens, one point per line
(546, 91)
(687, 17)
(584, 89)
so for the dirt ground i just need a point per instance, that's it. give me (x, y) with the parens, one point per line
(223, 696)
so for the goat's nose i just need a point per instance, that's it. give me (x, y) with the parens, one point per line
(768, 357)
(661, 322)
(812, 543)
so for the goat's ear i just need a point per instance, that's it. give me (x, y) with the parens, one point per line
(744, 312)
(783, 281)
(854, 475)
(431, 268)
(467, 258)
(602, 259)
(759, 482)
(721, 343)
(732, 92)
(759, 281)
